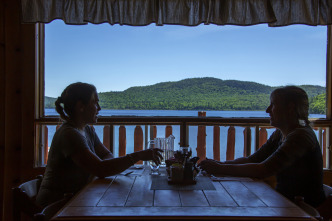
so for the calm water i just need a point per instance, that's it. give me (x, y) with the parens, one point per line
(176, 129)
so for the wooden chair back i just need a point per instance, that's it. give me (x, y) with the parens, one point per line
(49, 211)
(24, 198)
(325, 209)
(299, 200)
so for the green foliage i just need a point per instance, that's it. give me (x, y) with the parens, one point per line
(49, 102)
(196, 94)
(318, 104)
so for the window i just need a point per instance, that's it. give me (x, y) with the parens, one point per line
(116, 58)
(162, 60)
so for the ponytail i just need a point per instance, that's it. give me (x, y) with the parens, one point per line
(60, 109)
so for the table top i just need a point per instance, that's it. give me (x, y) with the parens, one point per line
(124, 197)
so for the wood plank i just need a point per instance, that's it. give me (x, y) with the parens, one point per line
(122, 141)
(230, 151)
(28, 100)
(118, 191)
(2, 101)
(138, 140)
(216, 143)
(269, 196)
(13, 104)
(181, 213)
(141, 195)
(219, 197)
(92, 193)
(193, 198)
(324, 147)
(241, 194)
(262, 136)
(106, 136)
(247, 141)
(168, 131)
(166, 198)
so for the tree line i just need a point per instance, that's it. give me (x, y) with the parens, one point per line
(200, 94)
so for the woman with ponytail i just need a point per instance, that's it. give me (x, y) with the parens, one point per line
(76, 154)
(292, 152)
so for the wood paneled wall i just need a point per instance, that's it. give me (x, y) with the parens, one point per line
(17, 65)
(2, 101)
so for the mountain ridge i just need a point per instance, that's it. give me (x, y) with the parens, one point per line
(198, 94)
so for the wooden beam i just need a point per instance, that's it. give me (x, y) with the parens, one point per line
(2, 107)
(13, 104)
(28, 100)
(17, 95)
(329, 91)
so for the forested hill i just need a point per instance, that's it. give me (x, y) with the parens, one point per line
(197, 94)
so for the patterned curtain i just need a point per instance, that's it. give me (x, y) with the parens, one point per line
(179, 12)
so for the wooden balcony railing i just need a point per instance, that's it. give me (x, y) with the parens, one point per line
(258, 126)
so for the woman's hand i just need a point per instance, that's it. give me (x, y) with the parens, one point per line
(153, 154)
(211, 166)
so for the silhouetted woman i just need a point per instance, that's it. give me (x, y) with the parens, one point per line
(76, 154)
(292, 153)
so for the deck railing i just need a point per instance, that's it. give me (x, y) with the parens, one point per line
(253, 128)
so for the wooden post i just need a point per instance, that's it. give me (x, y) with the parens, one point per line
(122, 141)
(184, 138)
(2, 107)
(256, 137)
(153, 132)
(168, 131)
(138, 140)
(262, 136)
(201, 139)
(106, 136)
(45, 138)
(230, 152)
(146, 137)
(247, 141)
(324, 148)
(216, 143)
(111, 137)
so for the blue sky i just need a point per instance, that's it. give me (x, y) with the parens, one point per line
(114, 58)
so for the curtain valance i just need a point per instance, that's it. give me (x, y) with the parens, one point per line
(180, 12)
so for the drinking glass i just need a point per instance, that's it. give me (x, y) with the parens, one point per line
(154, 167)
(161, 144)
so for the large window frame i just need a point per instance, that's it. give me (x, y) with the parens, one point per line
(41, 120)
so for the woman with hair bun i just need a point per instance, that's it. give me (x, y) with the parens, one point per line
(76, 154)
(292, 152)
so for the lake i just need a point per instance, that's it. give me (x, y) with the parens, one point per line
(239, 140)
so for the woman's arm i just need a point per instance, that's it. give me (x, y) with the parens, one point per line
(256, 170)
(100, 149)
(210, 162)
(103, 152)
(240, 160)
(102, 168)
(257, 165)
(98, 160)
(108, 156)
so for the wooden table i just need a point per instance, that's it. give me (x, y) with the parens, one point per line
(130, 197)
